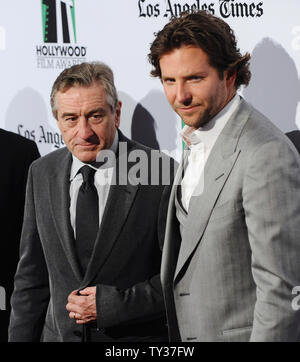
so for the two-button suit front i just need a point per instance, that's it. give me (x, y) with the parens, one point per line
(229, 276)
(124, 265)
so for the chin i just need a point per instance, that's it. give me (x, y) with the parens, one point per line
(86, 157)
(192, 123)
(197, 123)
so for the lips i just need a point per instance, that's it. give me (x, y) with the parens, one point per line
(86, 145)
(188, 109)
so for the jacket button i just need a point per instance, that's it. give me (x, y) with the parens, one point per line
(101, 330)
(77, 334)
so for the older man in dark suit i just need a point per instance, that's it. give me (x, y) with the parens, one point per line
(16, 155)
(90, 249)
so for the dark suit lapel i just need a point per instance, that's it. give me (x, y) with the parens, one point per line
(216, 172)
(119, 202)
(59, 188)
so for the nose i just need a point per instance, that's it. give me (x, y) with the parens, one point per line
(84, 129)
(183, 95)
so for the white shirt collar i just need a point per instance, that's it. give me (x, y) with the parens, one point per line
(209, 133)
(77, 164)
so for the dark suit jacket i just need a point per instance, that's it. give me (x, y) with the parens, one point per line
(16, 155)
(124, 265)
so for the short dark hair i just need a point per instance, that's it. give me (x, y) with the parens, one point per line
(208, 32)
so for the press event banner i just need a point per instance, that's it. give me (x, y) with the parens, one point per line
(39, 38)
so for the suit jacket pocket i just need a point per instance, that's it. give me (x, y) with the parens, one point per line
(241, 334)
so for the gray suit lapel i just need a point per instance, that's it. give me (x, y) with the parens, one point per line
(60, 202)
(217, 170)
(172, 238)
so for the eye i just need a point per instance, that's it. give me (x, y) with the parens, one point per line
(96, 117)
(195, 78)
(70, 119)
(168, 81)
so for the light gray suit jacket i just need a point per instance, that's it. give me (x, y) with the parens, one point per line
(230, 276)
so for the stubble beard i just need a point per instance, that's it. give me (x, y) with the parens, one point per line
(202, 120)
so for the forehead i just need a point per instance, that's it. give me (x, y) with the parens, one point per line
(81, 97)
(184, 60)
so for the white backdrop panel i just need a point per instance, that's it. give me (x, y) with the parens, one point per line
(119, 33)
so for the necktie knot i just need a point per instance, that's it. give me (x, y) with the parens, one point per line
(88, 174)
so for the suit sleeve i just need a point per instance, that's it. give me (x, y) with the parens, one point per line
(141, 302)
(30, 154)
(31, 292)
(271, 198)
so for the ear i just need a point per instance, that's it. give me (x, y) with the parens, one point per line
(118, 114)
(230, 78)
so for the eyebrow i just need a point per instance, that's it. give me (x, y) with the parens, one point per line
(192, 74)
(97, 110)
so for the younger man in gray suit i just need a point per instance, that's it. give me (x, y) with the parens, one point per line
(231, 257)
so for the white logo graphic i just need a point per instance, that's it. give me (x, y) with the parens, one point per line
(296, 300)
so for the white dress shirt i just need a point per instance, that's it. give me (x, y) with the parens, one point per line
(102, 181)
(201, 142)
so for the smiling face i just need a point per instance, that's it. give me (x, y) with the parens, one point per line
(86, 120)
(193, 87)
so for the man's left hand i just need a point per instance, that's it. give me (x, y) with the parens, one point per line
(82, 306)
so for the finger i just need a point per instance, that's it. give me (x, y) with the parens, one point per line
(74, 308)
(74, 315)
(80, 313)
(72, 296)
(76, 299)
(84, 292)
(84, 320)
(88, 291)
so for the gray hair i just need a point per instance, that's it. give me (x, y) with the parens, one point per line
(85, 74)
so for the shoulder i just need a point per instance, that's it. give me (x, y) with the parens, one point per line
(131, 144)
(17, 150)
(150, 152)
(264, 148)
(260, 131)
(53, 161)
(11, 139)
(158, 162)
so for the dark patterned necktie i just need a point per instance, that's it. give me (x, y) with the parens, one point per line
(87, 217)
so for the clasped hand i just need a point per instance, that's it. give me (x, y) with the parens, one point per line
(82, 306)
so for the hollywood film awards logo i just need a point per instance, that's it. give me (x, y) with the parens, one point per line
(60, 48)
